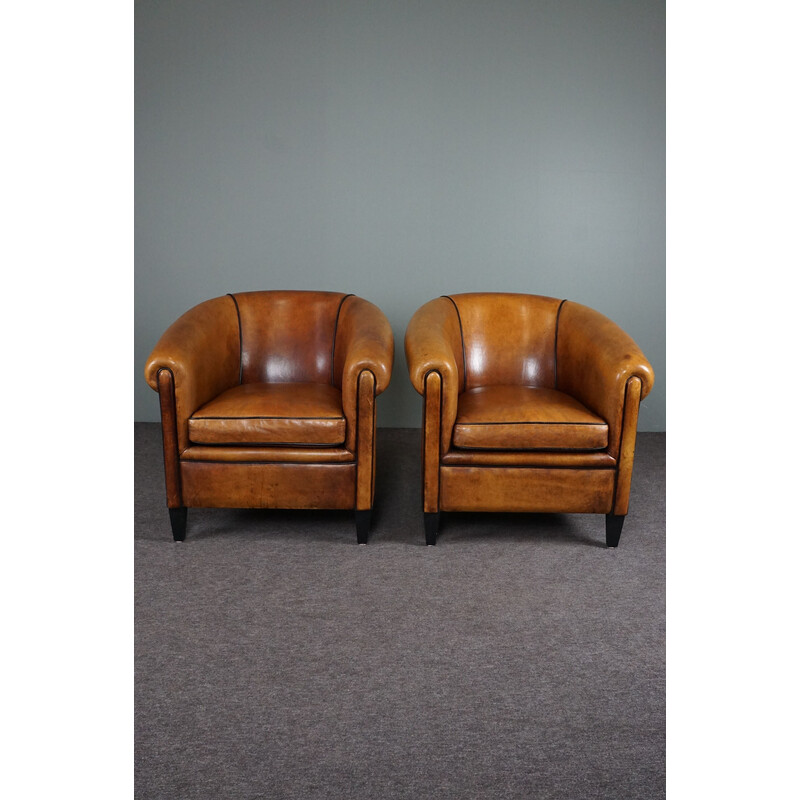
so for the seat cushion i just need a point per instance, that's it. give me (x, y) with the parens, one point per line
(526, 418)
(272, 414)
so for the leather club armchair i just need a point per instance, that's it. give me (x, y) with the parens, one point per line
(268, 401)
(530, 404)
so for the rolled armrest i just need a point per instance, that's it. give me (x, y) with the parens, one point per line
(595, 359)
(364, 341)
(433, 344)
(202, 351)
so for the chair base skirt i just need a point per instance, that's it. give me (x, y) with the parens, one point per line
(527, 489)
(268, 485)
(284, 485)
(614, 524)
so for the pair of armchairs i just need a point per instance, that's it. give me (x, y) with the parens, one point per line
(268, 401)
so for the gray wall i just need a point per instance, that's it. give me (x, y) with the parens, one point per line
(402, 150)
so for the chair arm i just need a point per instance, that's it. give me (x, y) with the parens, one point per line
(363, 342)
(595, 359)
(201, 350)
(433, 344)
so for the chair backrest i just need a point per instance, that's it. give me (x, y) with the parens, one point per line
(508, 338)
(287, 336)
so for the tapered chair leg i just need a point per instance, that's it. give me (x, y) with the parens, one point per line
(613, 528)
(363, 520)
(177, 518)
(431, 526)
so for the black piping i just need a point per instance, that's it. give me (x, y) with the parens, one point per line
(196, 417)
(273, 463)
(374, 443)
(555, 346)
(621, 432)
(358, 413)
(510, 422)
(439, 438)
(374, 435)
(241, 343)
(527, 466)
(335, 330)
(461, 331)
(174, 400)
(355, 438)
(266, 445)
(463, 449)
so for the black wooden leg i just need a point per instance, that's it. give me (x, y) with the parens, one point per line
(363, 519)
(177, 518)
(613, 528)
(431, 526)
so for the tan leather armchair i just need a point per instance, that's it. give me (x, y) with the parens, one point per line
(530, 404)
(268, 401)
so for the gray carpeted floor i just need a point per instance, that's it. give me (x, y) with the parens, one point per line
(519, 658)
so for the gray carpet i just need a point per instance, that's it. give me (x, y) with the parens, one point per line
(519, 658)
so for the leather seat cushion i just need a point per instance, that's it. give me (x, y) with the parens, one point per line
(307, 414)
(526, 418)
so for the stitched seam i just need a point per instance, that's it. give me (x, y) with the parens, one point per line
(335, 330)
(461, 331)
(555, 346)
(241, 342)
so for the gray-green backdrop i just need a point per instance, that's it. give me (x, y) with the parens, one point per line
(401, 149)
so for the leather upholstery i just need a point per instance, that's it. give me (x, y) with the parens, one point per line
(268, 400)
(509, 341)
(526, 418)
(271, 413)
(287, 337)
(530, 404)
